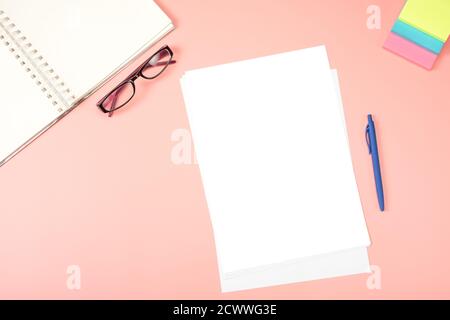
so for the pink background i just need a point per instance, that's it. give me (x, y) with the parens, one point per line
(104, 194)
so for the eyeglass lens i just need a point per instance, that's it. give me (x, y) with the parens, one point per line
(156, 64)
(119, 97)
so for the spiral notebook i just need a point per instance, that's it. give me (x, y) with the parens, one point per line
(54, 54)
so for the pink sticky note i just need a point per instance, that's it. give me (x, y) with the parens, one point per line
(410, 51)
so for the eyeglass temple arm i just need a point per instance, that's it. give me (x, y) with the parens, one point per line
(162, 63)
(114, 101)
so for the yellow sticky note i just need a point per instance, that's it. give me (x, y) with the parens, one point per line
(430, 16)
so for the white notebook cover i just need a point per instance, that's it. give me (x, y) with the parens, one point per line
(72, 48)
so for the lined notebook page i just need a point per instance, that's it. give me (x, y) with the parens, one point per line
(24, 108)
(85, 41)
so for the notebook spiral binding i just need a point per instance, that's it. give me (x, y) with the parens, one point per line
(34, 63)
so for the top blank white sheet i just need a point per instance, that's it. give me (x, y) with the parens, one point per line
(274, 159)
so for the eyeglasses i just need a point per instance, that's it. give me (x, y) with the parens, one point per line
(125, 91)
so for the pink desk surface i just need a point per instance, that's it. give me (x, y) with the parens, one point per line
(105, 195)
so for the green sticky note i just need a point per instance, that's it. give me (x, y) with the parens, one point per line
(430, 16)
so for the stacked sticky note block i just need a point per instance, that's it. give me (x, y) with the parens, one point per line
(421, 31)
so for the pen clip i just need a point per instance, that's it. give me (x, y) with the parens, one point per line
(368, 140)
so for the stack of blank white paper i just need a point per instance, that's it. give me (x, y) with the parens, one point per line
(272, 148)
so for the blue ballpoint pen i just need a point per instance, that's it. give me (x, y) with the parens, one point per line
(371, 139)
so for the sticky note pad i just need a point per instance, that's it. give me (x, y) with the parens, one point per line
(429, 16)
(418, 37)
(410, 51)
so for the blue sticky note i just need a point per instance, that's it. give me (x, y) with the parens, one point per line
(418, 37)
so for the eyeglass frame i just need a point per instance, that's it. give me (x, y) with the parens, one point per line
(136, 74)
